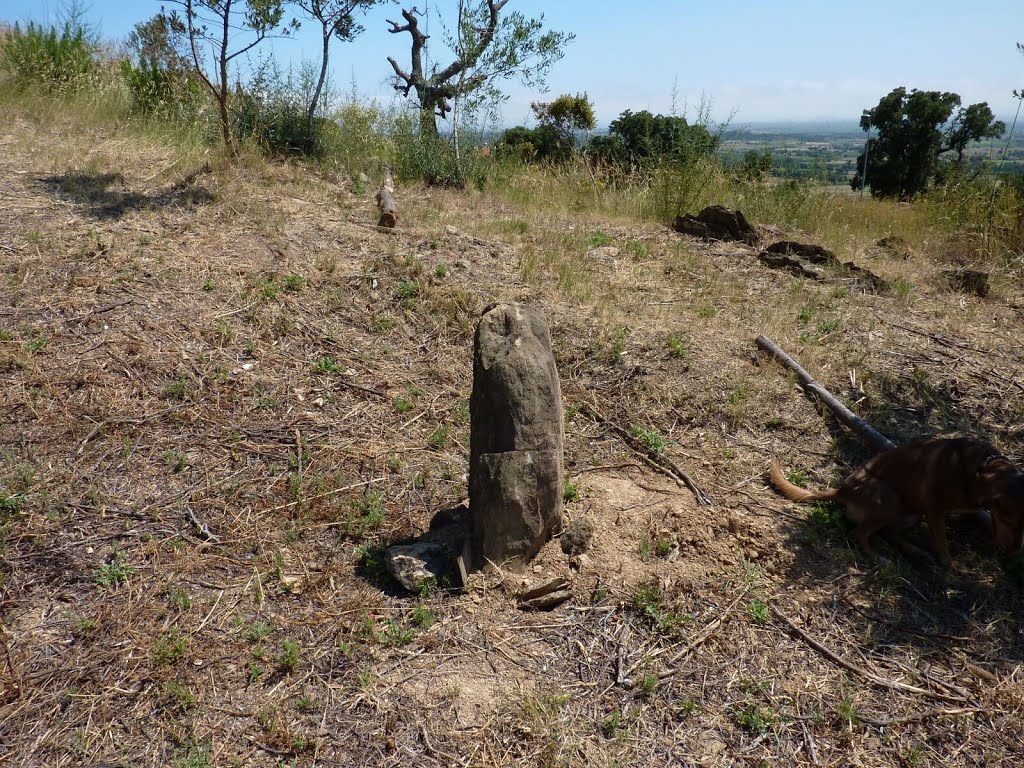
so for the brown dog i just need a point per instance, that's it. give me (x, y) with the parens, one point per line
(929, 479)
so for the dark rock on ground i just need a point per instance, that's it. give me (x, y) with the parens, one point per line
(717, 222)
(815, 254)
(809, 260)
(968, 280)
(790, 264)
(575, 539)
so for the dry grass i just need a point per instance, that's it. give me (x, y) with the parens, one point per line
(222, 393)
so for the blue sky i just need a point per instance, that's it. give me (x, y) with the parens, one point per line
(756, 61)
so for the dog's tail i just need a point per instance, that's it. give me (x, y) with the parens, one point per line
(795, 492)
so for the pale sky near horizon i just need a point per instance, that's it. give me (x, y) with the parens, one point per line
(757, 61)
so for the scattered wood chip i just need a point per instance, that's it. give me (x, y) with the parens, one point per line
(545, 596)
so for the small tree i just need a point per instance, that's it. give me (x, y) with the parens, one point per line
(162, 42)
(554, 138)
(972, 123)
(913, 131)
(216, 25)
(158, 72)
(491, 47)
(337, 20)
(756, 165)
(562, 118)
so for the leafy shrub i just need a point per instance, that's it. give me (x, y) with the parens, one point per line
(275, 121)
(48, 58)
(434, 160)
(272, 111)
(643, 139)
(679, 184)
(357, 138)
(554, 138)
(158, 91)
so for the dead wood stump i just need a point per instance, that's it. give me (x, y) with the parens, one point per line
(386, 202)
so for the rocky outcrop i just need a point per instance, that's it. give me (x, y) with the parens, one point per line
(717, 222)
(812, 261)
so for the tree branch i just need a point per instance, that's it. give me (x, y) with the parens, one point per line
(260, 37)
(486, 38)
(192, 34)
(402, 75)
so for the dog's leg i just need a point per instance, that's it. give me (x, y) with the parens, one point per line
(899, 541)
(937, 532)
(869, 518)
(882, 510)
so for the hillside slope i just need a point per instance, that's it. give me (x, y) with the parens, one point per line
(222, 393)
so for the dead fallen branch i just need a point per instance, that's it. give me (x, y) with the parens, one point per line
(918, 717)
(875, 438)
(881, 682)
(117, 420)
(652, 458)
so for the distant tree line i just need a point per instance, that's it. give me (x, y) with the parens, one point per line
(634, 139)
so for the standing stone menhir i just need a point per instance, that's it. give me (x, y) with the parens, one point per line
(515, 463)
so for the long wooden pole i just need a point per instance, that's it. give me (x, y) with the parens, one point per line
(849, 418)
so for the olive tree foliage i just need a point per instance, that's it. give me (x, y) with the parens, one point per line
(337, 19)
(220, 31)
(914, 129)
(488, 46)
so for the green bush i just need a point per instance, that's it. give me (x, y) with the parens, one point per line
(155, 91)
(357, 138)
(275, 121)
(643, 139)
(271, 111)
(53, 60)
(681, 184)
(434, 159)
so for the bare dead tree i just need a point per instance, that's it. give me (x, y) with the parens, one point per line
(490, 47)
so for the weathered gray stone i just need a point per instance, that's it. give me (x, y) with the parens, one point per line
(414, 564)
(516, 474)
